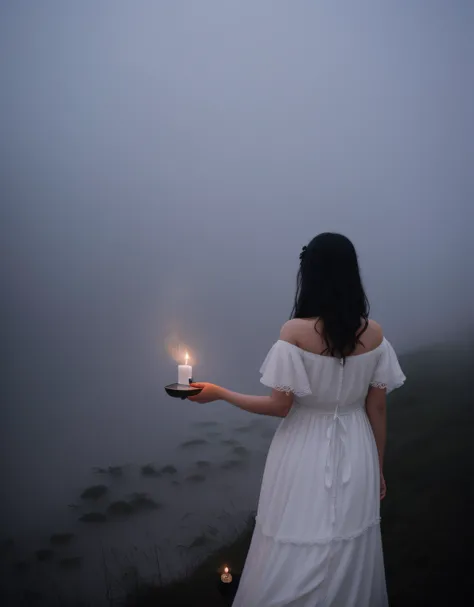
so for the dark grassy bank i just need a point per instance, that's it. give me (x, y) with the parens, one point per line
(201, 586)
(427, 527)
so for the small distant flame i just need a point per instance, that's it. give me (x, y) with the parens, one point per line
(226, 569)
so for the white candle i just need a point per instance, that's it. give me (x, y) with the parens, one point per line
(185, 372)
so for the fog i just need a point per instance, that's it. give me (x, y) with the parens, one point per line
(163, 163)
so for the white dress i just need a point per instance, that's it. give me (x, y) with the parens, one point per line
(317, 536)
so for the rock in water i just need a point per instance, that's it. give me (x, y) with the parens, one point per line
(142, 501)
(240, 450)
(120, 508)
(150, 470)
(169, 470)
(94, 493)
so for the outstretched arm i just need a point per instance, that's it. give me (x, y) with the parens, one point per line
(277, 404)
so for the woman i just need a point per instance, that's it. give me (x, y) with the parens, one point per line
(317, 535)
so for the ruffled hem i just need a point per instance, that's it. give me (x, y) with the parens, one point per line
(316, 541)
(388, 373)
(286, 389)
(383, 386)
(378, 384)
(396, 384)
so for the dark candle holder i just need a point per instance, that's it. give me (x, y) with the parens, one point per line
(182, 391)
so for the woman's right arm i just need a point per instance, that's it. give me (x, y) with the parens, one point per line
(376, 407)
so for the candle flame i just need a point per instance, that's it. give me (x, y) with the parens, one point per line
(179, 351)
(226, 569)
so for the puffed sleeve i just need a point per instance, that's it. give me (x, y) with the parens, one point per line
(283, 369)
(388, 373)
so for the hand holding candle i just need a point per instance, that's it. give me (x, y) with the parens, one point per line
(208, 393)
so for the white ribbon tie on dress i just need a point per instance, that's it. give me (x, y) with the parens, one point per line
(336, 430)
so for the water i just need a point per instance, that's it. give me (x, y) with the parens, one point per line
(218, 469)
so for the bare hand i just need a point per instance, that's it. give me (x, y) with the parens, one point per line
(383, 486)
(208, 394)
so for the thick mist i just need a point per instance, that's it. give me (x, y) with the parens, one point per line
(163, 163)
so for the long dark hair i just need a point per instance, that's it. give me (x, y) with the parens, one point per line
(329, 287)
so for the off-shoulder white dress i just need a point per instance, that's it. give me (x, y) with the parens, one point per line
(317, 537)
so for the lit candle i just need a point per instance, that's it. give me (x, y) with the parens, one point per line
(185, 372)
(226, 577)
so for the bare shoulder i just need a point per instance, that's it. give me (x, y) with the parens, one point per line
(290, 331)
(304, 333)
(374, 334)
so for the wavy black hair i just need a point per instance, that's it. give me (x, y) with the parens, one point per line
(329, 288)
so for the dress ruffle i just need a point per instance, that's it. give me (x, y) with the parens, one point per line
(388, 373)
(283, 369)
